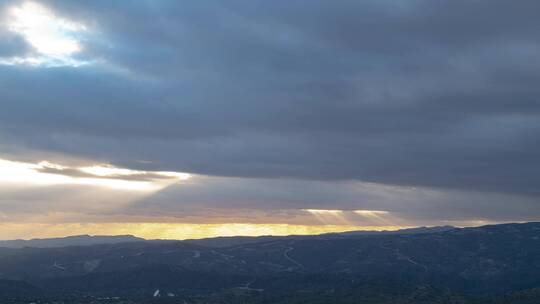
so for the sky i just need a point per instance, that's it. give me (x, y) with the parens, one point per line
(188, 119)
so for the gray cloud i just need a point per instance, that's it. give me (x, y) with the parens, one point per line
(11, 44)
(408, 205)
(204, 199)
(421, 93)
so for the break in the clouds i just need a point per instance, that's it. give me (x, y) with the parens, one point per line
(284, 103)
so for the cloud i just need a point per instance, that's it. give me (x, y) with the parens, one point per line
(11, 44)
(46, 173)
(439, 96)
(353, 200)
(257, 201)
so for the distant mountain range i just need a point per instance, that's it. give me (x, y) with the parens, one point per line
(77, 240)
(489, 264)
(239, 240)
(88, 240)
(417, 230)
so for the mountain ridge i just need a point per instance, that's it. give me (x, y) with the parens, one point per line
(73, 240)
(220, 241)
(477, 262)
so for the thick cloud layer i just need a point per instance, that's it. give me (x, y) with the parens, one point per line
(432, 94)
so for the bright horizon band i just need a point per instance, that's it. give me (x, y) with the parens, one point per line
(170, 230)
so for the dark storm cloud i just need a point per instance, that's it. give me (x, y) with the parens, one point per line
(422, 93)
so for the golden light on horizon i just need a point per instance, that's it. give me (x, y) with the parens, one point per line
(179, 231)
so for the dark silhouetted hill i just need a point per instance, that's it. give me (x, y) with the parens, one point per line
(77, 240)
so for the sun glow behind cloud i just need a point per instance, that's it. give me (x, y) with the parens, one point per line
(101, 170)
(54, 39)
(106, 170)
(99, 175)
